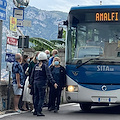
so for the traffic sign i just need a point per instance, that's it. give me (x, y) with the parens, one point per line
(12, 41)
(9, 66)
(13, 24)
(3, 5)
(2, 15)
(11, 49)
(19, 23)
(12, 34)
(27, 23)
(18, 13)
(10, 57)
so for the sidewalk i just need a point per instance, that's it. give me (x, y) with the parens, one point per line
(6, 112)
(9, 112)
(2, 113)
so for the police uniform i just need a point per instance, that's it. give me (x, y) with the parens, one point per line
(38, 79)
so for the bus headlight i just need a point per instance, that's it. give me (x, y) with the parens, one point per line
(72, 88)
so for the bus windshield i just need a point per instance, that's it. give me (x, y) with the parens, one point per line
(90, 39)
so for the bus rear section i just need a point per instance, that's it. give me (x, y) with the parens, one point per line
(93, 55)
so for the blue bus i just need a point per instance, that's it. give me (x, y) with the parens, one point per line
(93, 55)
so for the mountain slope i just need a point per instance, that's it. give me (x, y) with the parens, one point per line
(44, 24)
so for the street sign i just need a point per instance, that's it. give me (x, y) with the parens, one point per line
(27, 23)
(3, 5)
(11, 49)
(19, 23)
(10, 57)
(2, 15)
(9, 66)
(18, 13)
(12, 34)
(12, 41)
(13, 24)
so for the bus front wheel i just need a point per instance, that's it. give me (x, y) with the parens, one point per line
(85, 106)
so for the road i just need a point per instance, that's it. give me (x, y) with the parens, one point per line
(71, 112)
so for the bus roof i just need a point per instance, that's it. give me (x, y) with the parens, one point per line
(95, 7)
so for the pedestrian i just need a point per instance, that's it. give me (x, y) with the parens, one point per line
(59, 75)
(25, 64)
(33, 62)
(47, 53)
(27, 97)
(54, 54)
(18, 80)
(47, 89)
(40, 74)
(23, 104)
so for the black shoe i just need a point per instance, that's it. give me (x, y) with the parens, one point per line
(56, 110)
(45, 105)
(34, 113)
(51, 108)
(40, 114)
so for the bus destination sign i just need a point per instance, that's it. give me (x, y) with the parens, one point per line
(107, 16)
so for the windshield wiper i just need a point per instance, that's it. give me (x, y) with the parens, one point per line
(87, 62)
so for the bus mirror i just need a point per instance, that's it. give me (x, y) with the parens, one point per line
(60, 32)
(65, 22)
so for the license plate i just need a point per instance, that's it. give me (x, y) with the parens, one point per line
(104, 99)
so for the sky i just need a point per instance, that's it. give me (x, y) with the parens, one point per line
(65, 5)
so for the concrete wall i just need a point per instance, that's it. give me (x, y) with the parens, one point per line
(4, 97)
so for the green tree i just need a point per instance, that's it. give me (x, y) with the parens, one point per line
(40, 44)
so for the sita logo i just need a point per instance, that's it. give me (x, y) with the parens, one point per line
(104, 68)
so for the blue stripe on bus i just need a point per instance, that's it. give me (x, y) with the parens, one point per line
(95, 7)
(93, 76)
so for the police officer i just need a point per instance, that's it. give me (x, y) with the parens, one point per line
(40, 74)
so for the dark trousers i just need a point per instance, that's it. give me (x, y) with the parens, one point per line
(54, 97)
(39, 94)
(57, 97)
(50, 103)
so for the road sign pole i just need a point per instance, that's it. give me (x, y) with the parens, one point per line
(22, 39)
(0, 47)
(8, 92)
(22, 45)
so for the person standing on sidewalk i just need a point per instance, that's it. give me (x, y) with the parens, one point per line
(47, 53)
(59, 75)
(23, 105)
(18, 80)
(31, 66)
(40, 74)
(54, 54)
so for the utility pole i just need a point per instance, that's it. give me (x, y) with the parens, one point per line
(0, 47)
